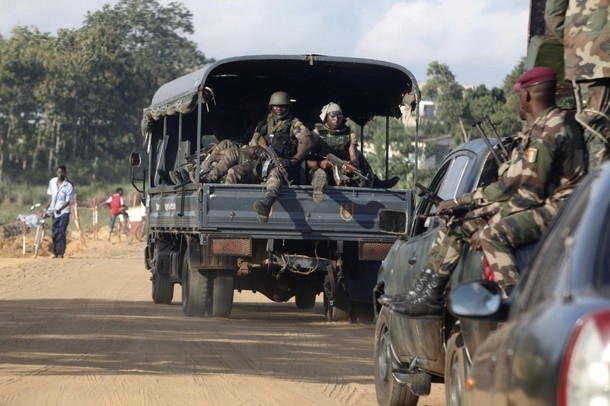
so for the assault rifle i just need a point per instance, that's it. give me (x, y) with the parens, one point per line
(342, 167)
(273, 158)
(502, 155)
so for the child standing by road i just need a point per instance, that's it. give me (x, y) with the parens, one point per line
(117, 206)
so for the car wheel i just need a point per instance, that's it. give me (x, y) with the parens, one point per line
(456, 371)
(389, 392)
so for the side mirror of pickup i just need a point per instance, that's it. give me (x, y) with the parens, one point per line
(393, 221)
(135, 160)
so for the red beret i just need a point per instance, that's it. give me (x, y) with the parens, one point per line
(534, 76)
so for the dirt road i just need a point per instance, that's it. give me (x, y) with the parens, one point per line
(84, 331)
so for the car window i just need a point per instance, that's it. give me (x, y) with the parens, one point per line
(445, 185)
(449, 185)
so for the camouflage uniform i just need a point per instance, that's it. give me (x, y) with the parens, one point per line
(448, 245)
(584, 28)
(554, 161)
(544, 169)
(337, 142)
(229, 158)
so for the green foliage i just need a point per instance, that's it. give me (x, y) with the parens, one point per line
(77, 98)
(459, 109)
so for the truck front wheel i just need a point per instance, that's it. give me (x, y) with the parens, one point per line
(195, 291)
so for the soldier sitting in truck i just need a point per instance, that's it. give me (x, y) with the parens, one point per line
(281, 141)
(286, 137)
(333, 136)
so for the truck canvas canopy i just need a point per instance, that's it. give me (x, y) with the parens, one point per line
(364, 88)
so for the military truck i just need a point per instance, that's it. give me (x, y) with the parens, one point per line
(206, 236)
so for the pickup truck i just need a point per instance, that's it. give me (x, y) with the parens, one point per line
(207, 238)
(410, 353)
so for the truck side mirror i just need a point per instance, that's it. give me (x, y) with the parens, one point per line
(135, 160)
(393, 221)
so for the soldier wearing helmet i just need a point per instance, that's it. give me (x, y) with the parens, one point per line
(291, 141)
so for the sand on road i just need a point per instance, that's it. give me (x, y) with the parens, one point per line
(83, 331)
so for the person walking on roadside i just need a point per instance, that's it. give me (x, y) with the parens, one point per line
(117, 206)
(61, 196)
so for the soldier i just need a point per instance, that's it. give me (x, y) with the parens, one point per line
(290, 140)
(332, 135)
(584, 28)
(544, 169)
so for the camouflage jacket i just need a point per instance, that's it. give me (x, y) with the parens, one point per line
(584, 28)
(547, 165)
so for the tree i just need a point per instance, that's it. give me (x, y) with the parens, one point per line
(78, 97)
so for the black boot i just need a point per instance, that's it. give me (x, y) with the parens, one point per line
(263, 207)
(385, 184)
(164, 175)
(420, 284)
(427, 300)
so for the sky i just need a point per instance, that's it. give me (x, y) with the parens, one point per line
(480, 40)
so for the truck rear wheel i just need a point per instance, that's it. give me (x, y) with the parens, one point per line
(222, 302)
(162, 288)
(195, 291)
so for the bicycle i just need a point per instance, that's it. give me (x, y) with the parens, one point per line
(41, 229)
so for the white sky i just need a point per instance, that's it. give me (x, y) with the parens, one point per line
(480, 40)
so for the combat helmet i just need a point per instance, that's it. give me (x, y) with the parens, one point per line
(279, 99)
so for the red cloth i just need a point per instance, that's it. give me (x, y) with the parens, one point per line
(115, 201)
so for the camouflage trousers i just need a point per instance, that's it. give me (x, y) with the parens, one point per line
(229, 158)
(499, 237)
(251, 172)
(594, 115)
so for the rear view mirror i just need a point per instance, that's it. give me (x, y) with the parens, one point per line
(475, 298)
(393, 221)
(135, 160)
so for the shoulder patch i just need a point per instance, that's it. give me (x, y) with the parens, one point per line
(531, 155)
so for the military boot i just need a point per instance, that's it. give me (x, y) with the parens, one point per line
(426, 300)
(385, 184)
(263, 208)
(319, 182)
(420, 284)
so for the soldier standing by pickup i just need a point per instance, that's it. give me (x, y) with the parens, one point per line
(525, 199)
(584, 28)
